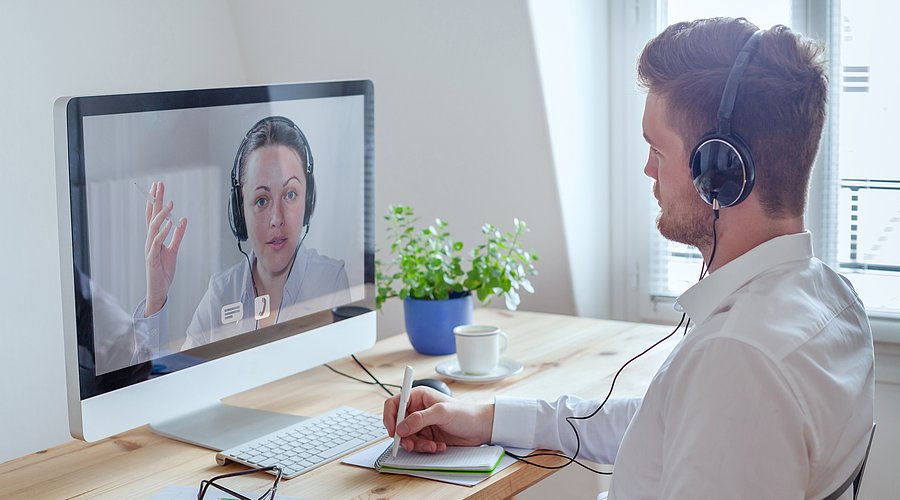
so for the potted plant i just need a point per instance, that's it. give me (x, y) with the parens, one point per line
(426, 272)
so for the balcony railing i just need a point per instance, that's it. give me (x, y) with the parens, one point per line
(873, 225)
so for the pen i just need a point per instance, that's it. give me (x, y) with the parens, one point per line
(401, 411)
(152, 200)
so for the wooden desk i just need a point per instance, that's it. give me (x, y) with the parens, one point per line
(561, 354)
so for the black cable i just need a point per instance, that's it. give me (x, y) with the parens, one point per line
(704, 269)
(573, 458)
(357, 379)
(376, 381)
(373, 376)
(249, 268)
(712, 254)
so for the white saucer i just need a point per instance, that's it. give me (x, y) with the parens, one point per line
(505, 368)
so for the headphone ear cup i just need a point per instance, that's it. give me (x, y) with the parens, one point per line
(722, 169)
(236, 214)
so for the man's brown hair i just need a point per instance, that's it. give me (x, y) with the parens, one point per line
(780, 105)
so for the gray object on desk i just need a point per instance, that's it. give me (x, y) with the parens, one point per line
(435, 384)
(221, 426)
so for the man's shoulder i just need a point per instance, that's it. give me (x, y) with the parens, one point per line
(781, 310)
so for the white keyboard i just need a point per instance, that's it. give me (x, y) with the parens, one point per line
(310, 443)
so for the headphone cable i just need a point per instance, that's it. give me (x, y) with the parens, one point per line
(704, 271)
(250, 269)
(569, 419)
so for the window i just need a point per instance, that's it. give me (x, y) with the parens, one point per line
(854, 210)
(868, 223)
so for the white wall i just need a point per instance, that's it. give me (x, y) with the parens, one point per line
(460, 133)
(459, 120)
(572, 42)
(53, 49)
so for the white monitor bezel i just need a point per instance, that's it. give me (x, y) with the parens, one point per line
(199, 386)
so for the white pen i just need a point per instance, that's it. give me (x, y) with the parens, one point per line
(401, 411)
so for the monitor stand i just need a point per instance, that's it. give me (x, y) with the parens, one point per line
(221, 426)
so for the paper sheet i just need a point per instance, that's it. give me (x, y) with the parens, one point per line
(367, 457)
(454, 458)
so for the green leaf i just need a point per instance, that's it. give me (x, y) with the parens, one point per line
(423, 262)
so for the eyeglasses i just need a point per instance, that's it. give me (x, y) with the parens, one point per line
(268, 495)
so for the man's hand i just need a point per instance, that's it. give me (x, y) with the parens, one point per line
(434, 421)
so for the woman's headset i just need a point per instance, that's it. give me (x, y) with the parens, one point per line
(236, 200)
(721, 163)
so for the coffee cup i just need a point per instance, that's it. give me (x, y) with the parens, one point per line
(478, 348)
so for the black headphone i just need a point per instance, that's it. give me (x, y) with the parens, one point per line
(721, 163)
(236, 200)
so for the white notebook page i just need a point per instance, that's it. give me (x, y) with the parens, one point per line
(454, 458)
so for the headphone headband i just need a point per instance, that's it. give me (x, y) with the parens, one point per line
(235, 201)
(721, 164)
(235, 174)
(726, 106)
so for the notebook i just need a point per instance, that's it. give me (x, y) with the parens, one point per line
(475, 460)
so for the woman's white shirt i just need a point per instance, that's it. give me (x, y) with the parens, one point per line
(315, 283)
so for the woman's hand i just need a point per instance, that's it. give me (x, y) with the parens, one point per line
(435, 421)
(160, 258)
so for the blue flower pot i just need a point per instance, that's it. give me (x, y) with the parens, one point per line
(430, 323)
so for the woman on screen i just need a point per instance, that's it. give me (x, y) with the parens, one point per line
(272, 199)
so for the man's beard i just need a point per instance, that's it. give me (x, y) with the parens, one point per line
(691, 225)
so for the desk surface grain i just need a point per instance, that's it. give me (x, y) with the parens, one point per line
(561, 354)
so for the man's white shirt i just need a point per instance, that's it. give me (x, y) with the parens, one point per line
(769, 395)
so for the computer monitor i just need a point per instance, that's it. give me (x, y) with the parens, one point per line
(210, 241)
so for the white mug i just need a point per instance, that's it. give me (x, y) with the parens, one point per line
(478, 348)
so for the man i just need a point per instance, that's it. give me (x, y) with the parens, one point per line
(770, 394)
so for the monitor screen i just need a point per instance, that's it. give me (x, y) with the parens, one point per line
(198, 226)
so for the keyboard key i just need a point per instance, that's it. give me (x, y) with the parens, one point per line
(340, 448)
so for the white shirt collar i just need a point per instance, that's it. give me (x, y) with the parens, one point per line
(700, 300)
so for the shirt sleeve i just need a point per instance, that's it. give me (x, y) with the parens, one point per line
(531, 423)
(151, 335)
(734, 428)
(113, 333)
